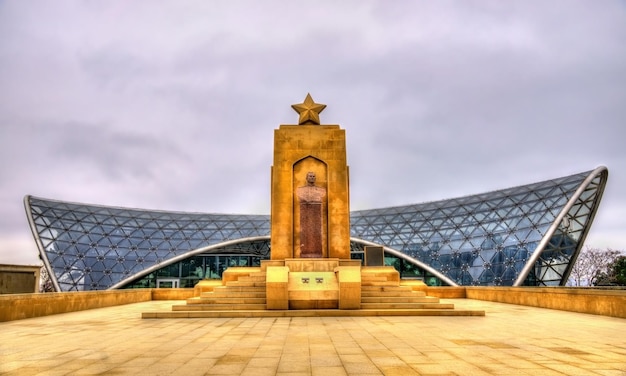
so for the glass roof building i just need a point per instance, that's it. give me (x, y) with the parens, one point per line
(526, 235)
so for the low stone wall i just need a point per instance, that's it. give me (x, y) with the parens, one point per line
(583, 300)
(448, 292)
(23, 306)
(172, 294)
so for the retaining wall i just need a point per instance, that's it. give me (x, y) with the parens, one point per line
(606, 302)
(582, 300)
(23, 306)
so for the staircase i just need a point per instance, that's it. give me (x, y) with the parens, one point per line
(383, 292)
(398, 297)
(245, 293)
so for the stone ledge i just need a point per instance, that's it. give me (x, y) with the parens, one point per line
(312, 313)
(582, 300)
(23, 306)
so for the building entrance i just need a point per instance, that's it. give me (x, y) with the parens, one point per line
(188, 272)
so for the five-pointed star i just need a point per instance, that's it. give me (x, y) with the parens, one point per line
(309, 111)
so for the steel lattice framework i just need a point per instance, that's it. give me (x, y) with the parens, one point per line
(527, 235)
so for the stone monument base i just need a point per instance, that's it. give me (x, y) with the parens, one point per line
(310, 287)
(312, 283)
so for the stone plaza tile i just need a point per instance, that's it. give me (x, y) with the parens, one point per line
(259, 371)
(326, 371)
(508, 340)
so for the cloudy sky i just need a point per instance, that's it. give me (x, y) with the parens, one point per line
(173, 104)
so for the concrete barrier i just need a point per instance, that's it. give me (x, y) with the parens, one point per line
(606, 302)
(172, 294)
(23, 306)
(448, 292)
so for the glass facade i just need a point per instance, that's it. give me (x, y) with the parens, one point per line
(527, 235)
(188, 272)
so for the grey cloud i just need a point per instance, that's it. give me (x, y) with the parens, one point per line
(173, 107)
(99, 150)
(114, 69)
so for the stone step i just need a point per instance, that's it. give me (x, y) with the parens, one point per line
(378, 283)
(226, 300)
(407, 306)
(405, 295)
(245, 283)
(388, 287)
(235, 289)
(234, 294)
(310, 313)
(389, 290)
(373, 278)
(252, 278)
(219, 307)
(399, 299)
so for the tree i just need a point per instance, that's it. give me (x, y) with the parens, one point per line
(46, 283)
(592, 264)
(616, 274)
(619, 270)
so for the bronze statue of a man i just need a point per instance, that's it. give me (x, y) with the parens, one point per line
(311, 198)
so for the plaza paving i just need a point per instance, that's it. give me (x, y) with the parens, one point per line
(509, 340)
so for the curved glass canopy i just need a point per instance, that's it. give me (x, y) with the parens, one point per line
(527, 235)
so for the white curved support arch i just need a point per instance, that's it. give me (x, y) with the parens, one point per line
(178, 258)
(40, 247)
(548, 235)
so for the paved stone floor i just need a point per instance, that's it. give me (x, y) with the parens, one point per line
(509, 340)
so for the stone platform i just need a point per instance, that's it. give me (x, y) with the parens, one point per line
(311, 288)
(510, 340)
(309, 313)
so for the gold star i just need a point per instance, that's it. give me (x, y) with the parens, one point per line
(309, 111)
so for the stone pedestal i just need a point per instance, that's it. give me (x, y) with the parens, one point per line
(276, 287)
(312, 264)
(320, 283)
(313, 290)
(349, 279)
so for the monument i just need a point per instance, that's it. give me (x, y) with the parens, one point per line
(300, 227)
(310, 269)
(310, 216)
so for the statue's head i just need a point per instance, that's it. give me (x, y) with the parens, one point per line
(310, 177)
